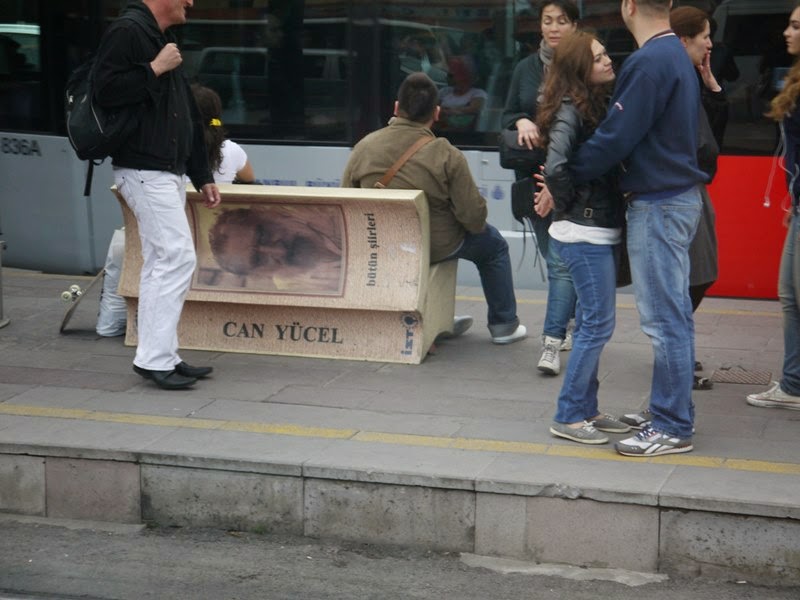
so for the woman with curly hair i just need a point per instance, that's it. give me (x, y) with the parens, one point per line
(785, 110)
(587, 226)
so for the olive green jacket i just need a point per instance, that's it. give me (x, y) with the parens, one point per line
(438, 169)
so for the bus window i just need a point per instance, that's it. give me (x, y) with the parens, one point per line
(20, 76)
(750, 59)
(280, 69)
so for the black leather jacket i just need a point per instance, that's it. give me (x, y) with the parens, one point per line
(170, 133)
(598, 203)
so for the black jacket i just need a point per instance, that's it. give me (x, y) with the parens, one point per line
(170, 133)
(598, 203)
(523, 96)
(523, 92)
(711, 123)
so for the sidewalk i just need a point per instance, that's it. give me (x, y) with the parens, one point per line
(453, 454)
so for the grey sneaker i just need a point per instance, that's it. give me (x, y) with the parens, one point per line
(610, 424)
(649, 442)
(461, 325)
(774, 397)
(550, 363)
(585, 434)
(638, 420)
(520, 333)
(566, 344)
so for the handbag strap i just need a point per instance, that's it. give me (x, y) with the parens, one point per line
(389, 175)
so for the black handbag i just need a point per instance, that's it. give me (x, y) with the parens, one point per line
(519, 157)
(522, 192)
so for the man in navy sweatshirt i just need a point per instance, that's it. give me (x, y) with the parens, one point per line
(651, 128)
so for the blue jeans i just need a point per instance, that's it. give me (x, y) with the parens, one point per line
(561, 295)
(788, 284)
(488, 250)
(659, 234)
(593, 269)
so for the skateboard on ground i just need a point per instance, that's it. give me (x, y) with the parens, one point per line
(72, 297)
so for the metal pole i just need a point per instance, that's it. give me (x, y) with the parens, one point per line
(3, 321)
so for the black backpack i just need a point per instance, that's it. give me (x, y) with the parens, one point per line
(95, 132)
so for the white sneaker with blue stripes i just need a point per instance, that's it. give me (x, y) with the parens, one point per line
(649, 442)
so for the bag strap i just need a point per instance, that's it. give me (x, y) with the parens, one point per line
(389, 175)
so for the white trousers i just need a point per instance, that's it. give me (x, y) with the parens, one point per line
(158, 200)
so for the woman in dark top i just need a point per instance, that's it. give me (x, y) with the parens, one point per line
(692, 26)
(559, 18)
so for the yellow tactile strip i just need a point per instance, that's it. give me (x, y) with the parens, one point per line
(692, 460)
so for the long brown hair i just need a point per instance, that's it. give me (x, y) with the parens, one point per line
(569, 76)
(785, 102)
(210, 106)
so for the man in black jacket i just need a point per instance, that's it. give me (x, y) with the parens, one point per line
(139, 63)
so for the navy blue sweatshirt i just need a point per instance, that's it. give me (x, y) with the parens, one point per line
(651, 125)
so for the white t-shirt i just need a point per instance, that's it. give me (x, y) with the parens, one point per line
(234, 159)
(568, 232)
(449, 99)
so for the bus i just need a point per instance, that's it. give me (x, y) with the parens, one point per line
(303, 80)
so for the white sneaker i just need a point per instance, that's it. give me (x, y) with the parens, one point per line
(550, 363)
(774, 397)
(566, 345)
(520, 333)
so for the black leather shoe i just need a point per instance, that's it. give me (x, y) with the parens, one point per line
(167, 380)
(189, 371)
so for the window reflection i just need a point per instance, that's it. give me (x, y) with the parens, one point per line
(281, 67)
(327, 71)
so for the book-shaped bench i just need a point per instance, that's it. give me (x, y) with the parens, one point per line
(306, 271)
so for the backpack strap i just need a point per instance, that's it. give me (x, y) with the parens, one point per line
(389, 175)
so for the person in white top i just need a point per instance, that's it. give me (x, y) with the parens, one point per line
(228, 160)
(460, 102)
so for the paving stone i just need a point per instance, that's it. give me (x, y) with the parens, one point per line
(738, 492)
(235, 451)
(222, 499)
(761, 551)
(22, 484)
(374, 462)
(93, 489)
(592, 534)
(390, 514)
(573, 478)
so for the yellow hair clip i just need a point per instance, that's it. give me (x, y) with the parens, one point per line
(215, 123)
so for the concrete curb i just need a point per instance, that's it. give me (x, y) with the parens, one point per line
(659, 525)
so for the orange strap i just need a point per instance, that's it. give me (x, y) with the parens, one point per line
(389, 175)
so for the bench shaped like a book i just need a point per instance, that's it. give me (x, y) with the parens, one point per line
(304, 271)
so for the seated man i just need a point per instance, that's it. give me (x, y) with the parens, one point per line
(457, 210)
